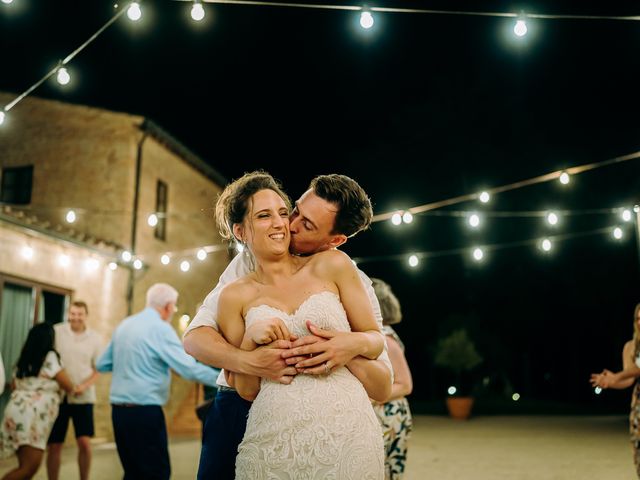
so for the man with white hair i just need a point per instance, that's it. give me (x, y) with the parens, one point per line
(142, 350)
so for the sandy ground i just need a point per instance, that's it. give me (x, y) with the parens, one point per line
(485, 448)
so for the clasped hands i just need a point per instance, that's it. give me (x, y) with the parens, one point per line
(315, 354)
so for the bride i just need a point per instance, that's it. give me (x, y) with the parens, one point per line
(318, 427)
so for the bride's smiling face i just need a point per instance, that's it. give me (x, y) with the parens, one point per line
(265, 229)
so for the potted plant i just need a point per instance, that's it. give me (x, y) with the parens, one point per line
(457, 353)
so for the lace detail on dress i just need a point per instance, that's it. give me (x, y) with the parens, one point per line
(318, 427)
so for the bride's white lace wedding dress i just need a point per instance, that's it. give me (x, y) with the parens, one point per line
(319, 426)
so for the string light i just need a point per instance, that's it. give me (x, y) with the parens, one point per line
(478, 254)
(552, 218)
(165, 259)
(366, 19)
(515, 397)
(113, 266)
(197, 11)
(134, 12)
(520, 28)
(183, 323)
(546, 244)
(70, 217)
(626, 215)
(564, 178)
(126, 256)
(137, 264)
(407, 217)
(185, 266)
(64, 260)
(617, 233)
(63, 76)
(92, 264)
(484, 197)
(27, 252)
(396, 218)
(152, 220)
(413, 261)
(202, 254)
(452, 390)
(474, 220)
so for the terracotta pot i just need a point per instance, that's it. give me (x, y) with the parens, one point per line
(460, 407)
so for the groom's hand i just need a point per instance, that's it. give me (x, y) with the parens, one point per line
(323, 351)
(267, 362)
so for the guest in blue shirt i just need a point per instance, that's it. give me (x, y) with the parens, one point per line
(141, 353)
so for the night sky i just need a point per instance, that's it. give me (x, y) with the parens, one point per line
(418, 109)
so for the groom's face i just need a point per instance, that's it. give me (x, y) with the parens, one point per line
(311, 224)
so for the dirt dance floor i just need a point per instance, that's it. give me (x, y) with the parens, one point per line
(484, 448)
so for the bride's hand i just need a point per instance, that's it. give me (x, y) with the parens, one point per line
(322, 352)
(269, 330)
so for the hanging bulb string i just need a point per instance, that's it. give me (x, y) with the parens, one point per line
(511, 186)
(424, 10)
(67, 59)
(485, 247)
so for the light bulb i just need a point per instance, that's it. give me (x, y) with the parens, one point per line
(126, 256)
(413, 261)
(64, 260)
(626, 215)
(474, 220)
(515, 397)
(597, 390)
(485, 197)
(63, 76)
(7, 1)
(113, 266)
(27, 252)
(452, 390)
(183, 323)
(92, 264)
(407, 217)
(564, 178)
(197, 12)
(478, 254)
(546, 244)
(2, 115)
(70, 217)
(396, 219)
(520, 28)
(152, 220)
(202, 254)
(185, 266)
(552, 218)
(137, 264)
(134, 12)
(617, 233)
(366, 20)
(165, 259)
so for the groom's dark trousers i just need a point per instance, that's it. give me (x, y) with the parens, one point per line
(222, 432)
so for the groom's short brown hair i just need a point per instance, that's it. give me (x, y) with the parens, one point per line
(354, 207)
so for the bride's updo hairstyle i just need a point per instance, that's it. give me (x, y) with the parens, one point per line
(234, 203)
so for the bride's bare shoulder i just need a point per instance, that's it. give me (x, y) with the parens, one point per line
(239, 290)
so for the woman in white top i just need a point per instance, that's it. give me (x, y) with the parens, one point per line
(37, 390)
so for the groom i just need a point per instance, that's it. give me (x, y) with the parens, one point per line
(332, 210)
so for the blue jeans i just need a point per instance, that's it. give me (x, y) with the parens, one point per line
(222, 432)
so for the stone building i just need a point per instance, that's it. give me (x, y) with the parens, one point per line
(112, 170)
